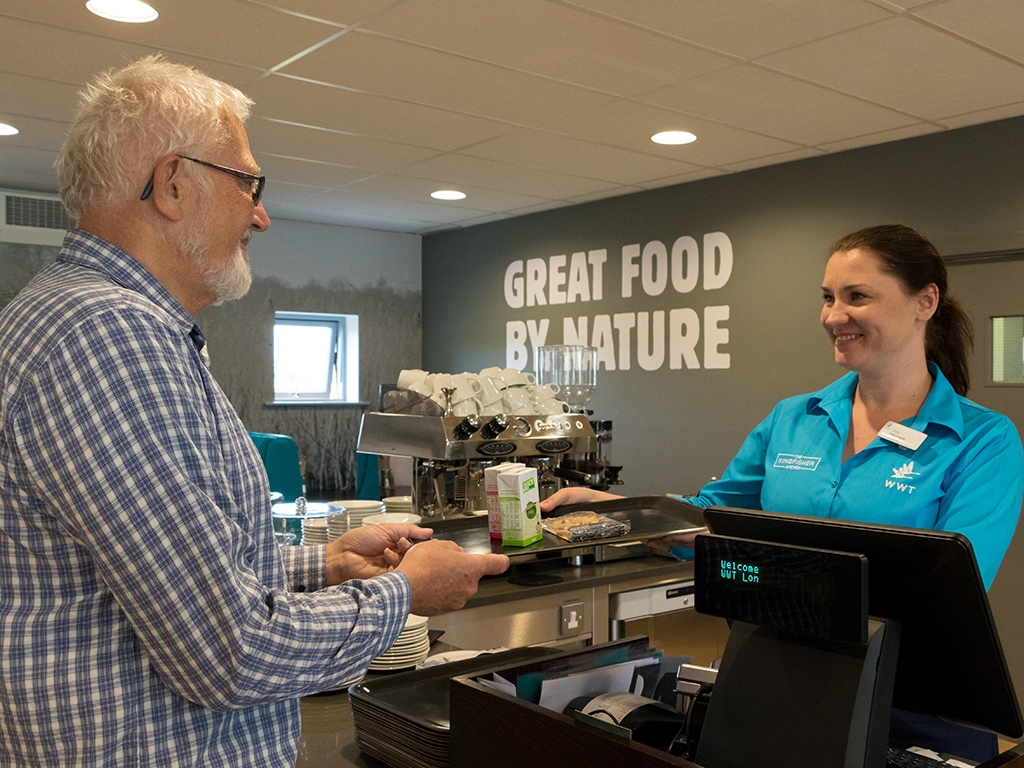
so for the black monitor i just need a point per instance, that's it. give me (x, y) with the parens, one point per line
(950, 662)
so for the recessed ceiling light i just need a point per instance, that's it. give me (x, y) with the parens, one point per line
(673, 137)
(7, 130)
(448, 194)
(129, 11)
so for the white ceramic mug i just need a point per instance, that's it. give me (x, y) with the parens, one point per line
(490, 389)
(513, 377)
(541, 392)
(466, 385)
(439, 381)
(410, 376)
(493, 372)
(517, 400)
(468, 407)
(550, 407)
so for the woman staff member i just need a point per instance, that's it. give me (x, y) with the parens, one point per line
(895, 440)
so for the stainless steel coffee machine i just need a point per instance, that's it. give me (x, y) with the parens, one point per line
(450, 454)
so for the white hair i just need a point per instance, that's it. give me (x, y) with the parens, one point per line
(130, 118)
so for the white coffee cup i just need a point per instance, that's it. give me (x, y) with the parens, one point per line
(517, 400)
(420, 388)
(493, 372)
(466, 385)
(439, 381)
(411, 376)
(490, 389)
(492, 408)
(540, 392)
(468, 407)
(550, 407)
(516, 378)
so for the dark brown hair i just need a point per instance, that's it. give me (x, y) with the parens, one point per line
(910, 257)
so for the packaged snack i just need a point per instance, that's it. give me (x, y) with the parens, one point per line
(586, 526)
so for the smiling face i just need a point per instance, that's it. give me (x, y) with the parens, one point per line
(875, 327)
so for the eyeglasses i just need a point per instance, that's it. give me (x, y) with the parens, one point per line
(258, 183)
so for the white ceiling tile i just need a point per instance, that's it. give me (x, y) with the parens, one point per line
(335, 11)
(797, 111)
(907, 66)
(630, 125)
(548, 39)
(404, 71)
(450, 108)
(766, 160)
(307, 172)
(317, 104)
(996, 24)
(330, 146)
(984, 115)
(741, 27)
(418, 190)
(194, 27)
(567, 154)
(456, 168)
(920, 129)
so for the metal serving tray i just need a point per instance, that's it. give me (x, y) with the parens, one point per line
(650, 517)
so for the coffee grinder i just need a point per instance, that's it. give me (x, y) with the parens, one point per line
(572, 369)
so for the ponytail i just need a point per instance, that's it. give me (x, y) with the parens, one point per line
(949, 339)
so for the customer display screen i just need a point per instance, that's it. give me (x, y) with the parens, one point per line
(798, 589)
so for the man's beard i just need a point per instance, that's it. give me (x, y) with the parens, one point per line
(226, 281)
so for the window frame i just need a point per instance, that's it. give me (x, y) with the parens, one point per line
(343, 366)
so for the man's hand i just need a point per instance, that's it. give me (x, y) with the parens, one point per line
(574, 495)
(444, 576)
(370, 551)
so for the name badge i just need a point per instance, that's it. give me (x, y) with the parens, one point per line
(902, 435)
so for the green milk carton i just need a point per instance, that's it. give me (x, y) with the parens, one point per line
(519, 501)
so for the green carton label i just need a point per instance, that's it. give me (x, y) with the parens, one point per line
(529, 485)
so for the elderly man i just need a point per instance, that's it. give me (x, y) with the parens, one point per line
(147, 616)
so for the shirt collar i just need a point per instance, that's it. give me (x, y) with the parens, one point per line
(87, 250)
(941, 407)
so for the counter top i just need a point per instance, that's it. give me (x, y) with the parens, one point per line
(620, 574)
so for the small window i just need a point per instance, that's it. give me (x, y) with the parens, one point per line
(1008, 350)
(316, 357)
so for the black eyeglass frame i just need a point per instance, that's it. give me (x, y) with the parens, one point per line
(257, 192)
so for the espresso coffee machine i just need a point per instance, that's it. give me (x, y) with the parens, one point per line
(450, 454)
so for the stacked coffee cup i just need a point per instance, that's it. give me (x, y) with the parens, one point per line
(492, 391)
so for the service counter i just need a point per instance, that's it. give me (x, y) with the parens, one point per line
(561, 605)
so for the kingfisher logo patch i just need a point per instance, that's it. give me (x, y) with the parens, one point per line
(795, 461)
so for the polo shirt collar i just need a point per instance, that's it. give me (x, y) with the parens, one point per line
(940, 408)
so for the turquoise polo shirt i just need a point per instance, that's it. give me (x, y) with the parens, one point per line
(967, 475)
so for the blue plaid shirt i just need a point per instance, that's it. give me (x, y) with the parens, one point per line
(146, 614)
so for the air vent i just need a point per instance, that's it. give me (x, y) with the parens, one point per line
(37, 212)
(33, 219)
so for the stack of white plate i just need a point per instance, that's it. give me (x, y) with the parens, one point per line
(398, 504)
(411, 647)
(314, 531)
(355, 511)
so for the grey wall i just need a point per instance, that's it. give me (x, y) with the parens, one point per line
(675, 428)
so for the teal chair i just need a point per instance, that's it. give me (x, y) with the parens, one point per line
(280, 455)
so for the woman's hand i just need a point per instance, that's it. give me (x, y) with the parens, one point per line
(370, 551)
(574, 495)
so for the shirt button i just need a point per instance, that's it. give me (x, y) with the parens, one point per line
(300, 588)
(834, 483)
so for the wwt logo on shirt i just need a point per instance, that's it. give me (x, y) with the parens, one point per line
(906, 472)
